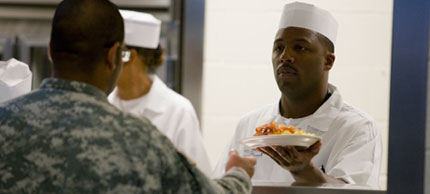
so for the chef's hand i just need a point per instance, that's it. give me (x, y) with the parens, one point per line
(298, 162)
(291, 159)
(246, 163)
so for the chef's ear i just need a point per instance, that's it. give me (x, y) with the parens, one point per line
(133, 55)
(329, 61)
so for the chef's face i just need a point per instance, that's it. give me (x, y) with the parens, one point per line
(299, 60)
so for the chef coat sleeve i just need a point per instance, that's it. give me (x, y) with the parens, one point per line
(358, 160)
(189, 139)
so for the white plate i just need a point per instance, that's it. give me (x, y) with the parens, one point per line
(280, 140)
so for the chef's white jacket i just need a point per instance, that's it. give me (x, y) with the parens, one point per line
(173, 115)
(351, 143)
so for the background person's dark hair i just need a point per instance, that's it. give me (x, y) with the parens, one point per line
(153, 58)
(82, 33)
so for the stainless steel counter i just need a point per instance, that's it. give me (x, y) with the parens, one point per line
(288, 188)
(310, 190)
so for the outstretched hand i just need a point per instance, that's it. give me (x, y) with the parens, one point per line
(246, 163)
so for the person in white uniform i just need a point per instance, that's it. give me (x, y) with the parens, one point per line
(15, 79)
(350, 150)
(143, 94)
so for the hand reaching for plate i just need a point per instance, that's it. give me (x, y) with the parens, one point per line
(246, 163)
(291, 159)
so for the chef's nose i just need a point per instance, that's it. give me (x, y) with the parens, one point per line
(286, 57)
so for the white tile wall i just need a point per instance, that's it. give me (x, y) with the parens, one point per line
(382, 6)
(238, 75)
(217, 133)
(252, 42)
(364, 87)
(235, 90)
(364, 39)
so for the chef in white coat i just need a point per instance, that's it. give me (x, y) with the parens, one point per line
(15, 79)
(302, 56)
(143, 94)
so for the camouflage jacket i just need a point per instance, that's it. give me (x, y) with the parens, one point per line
(66, 138)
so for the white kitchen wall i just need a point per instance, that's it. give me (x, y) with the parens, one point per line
(238, 74)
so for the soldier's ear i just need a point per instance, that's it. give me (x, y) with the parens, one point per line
(50, 53)
(51, 65)
(114, 56)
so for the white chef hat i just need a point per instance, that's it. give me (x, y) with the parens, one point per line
(15, 79)
(141, 29)
(309, 16)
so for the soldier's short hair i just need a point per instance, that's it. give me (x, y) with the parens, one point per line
(83, 31)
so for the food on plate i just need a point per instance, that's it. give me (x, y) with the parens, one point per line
(274, 128)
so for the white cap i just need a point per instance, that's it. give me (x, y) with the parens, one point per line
(141, 29)
(309, 16)
(15, 79)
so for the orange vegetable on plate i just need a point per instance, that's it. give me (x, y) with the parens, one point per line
(274, 128)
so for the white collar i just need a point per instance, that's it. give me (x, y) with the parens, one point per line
(152, 101)
(327, 112)
(324, 116)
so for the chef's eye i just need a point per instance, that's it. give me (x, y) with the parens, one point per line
(300, 48)
(278, 48)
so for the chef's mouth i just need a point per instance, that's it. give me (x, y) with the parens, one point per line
(286, 70)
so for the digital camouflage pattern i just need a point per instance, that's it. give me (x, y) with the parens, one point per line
(66, 138)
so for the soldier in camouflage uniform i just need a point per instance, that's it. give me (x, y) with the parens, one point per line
(67, 138)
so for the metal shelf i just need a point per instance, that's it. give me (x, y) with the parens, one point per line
(143, 3)
(121, 3)
(44, 9)
(17, 12)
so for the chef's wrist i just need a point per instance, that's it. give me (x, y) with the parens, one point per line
(303, 170)
(309, 173)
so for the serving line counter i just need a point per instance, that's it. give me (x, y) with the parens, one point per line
(287, 188)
